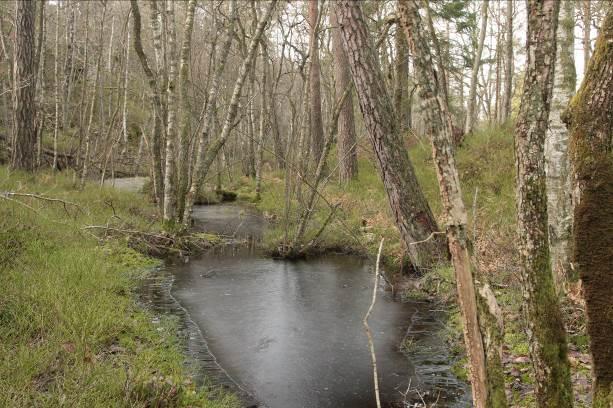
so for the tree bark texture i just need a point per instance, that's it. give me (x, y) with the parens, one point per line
(559, 206)
(591, 152)
(486, 375)
(411, 211)
(24, 87)
(544, 325)
(347, 141)
(317, 126)
(508, 77)
(185, 111)
(156, 103)
(171, 122)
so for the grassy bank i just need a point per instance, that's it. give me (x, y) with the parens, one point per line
(71, 333)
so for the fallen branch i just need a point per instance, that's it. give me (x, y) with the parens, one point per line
(371, 344)
(8, 194)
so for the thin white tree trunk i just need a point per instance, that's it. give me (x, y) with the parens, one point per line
(171, 132)
(471, 114)
(559, 205)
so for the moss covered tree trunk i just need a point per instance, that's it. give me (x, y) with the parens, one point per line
(559, 208)
(482, 341)
(411, 211)
(544, 325)
(590, 122)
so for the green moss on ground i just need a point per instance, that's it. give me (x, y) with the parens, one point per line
(71, 332)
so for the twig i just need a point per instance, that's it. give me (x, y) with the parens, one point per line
(427, 239)
(39, 197)
(371, 344)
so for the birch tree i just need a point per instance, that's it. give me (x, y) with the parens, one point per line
(559, 208)
(207, 158)
(472, 110)
(544, 325)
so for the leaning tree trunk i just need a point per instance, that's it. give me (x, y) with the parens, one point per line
(545, 328)
(591, 152)
(411, 211)
(483, 345)
(471, 113)
(24, 84)
(401, 91)
(559, 209)
(347, 143)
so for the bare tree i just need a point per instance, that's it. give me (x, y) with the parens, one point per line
(508, 76)
(471, 112)
(205, 159)
(545, 328)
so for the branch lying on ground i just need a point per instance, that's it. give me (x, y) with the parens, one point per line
(8, 194)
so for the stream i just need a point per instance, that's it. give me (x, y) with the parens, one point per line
(289, 334)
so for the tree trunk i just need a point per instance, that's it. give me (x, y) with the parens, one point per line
(154, 145)
(401, 91)
(317, 127)
(24, 87)
(259, 149)
(346, 145)
(40, 81)
(591, 146)
(545, 328)
(508, 77)
(411, 211)
(185, 111)
(171, 125)
(559, 206)
(587, 26)
(87, 153)
(472, 111)
(56, 79)
(487, 377)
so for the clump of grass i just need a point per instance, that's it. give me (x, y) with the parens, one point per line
(70, 331)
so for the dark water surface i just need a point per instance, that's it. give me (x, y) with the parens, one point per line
(289, 334)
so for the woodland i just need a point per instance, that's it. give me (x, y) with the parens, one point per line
(461, 149)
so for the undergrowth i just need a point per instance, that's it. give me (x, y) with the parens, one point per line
(71, 333)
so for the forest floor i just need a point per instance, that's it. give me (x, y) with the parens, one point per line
(71, 330)
(487, 171)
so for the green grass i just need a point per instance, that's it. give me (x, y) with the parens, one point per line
(71, 333)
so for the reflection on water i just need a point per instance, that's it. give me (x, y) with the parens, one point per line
(289, 334)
